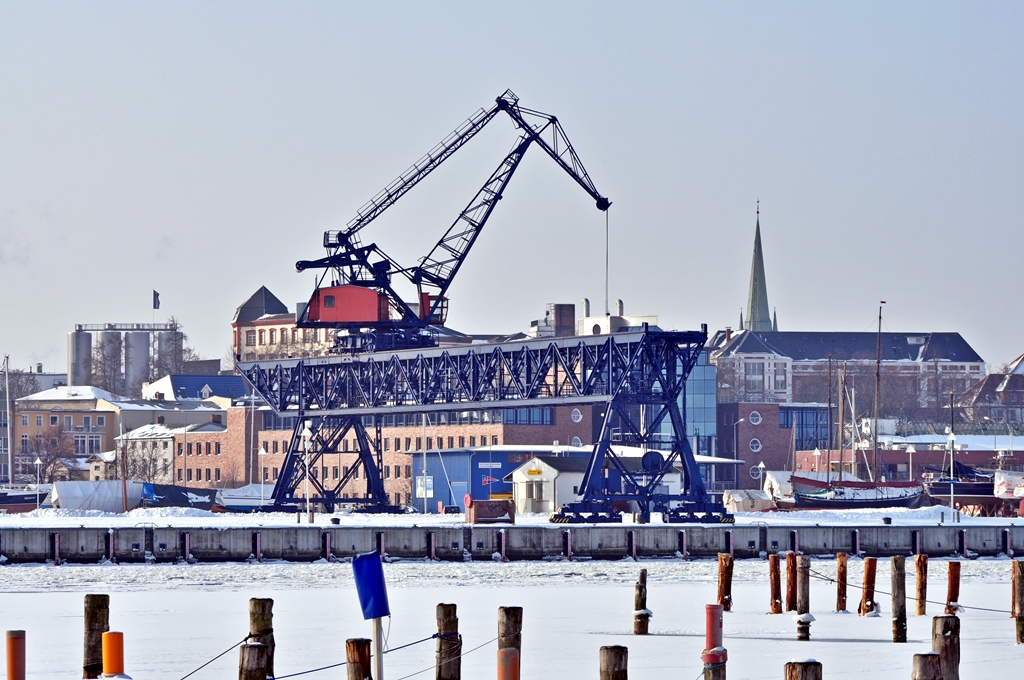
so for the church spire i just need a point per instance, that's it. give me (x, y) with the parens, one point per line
(758, 316)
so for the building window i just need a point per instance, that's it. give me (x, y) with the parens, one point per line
(387, 472)
(216, 472)
(207, 448)
(408, 472)
(190, 474)
(494, 440)
(355, 471)
(430, 443)
(250, 338)
(284, 336)
(334, 472)
(314, 473)
(295, 335)
(275, 473)
(101, 421)
(780, 376)
(419, 443)
(39, 421)
(755, 445)
(472, 441)
(398, 472)
(189, 450)
(266, 474)
(273, 336)
(387, 444)
(181, 449)
(755, 418)
(462, 442)
(451, 442)
(24, 443)
(754, 374)
(95, 444)
(398, 443)
(179, 475)
(263, 337)
(24, 421)
(216, 448)
(80, 444)
(54, 419)
(87, 422)
(408, 444)
(207, 474)
(69, 423)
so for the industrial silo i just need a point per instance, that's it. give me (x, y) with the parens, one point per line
(79, 357)
(136, 361)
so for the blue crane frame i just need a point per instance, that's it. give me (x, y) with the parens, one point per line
(639, 374)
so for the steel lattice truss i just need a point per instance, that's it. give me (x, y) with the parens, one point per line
(640, 374)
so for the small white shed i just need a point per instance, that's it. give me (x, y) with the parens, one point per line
(546, 484)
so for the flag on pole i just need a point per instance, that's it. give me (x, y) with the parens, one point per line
(156, 300)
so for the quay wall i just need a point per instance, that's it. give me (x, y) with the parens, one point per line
(304, 543)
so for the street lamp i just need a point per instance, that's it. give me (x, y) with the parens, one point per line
(263, 473)
(306, 435)
(736, 439)
(761, 466)
(38, 465)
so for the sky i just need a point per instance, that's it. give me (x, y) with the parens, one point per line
(201, 148)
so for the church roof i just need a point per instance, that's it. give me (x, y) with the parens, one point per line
(758, 316)
(260, 304)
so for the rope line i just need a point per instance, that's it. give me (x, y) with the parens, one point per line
(830, 579)
(386, 651)
(454, 656)
(242, 641)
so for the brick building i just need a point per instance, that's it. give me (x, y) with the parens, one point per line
(768, 433)
(998, 397)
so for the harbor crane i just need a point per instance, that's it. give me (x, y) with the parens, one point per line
(387, 359)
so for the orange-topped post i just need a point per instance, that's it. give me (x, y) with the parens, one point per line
(113, 654)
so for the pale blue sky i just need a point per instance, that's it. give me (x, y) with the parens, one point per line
(200, 149)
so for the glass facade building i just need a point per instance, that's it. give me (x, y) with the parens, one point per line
(701, 399)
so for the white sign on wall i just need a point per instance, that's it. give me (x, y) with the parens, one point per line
(424, 487)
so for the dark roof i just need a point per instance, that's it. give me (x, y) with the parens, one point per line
(804, 346)
(191, 386)
(261, 303)
(988, 389)
(565, 464)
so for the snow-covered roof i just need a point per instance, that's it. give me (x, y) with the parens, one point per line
(153, 431)
(73, 393)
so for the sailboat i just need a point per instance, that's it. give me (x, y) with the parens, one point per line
(842, 494)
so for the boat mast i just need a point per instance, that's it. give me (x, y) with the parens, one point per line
(878, 381)
(828, 420)
(842, 420)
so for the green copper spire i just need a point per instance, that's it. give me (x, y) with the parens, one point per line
(758, 316)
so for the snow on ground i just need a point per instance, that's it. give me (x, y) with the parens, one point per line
(190, 517)
(175, 617)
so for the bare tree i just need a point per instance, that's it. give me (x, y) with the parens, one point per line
(107, 365)
(52, 447)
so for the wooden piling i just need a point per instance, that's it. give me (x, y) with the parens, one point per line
(867, 597)
(510, 641)
(1018, 598)
(899, 598)
(261, 627)
(641, 616)
(921, 584)
(613, 662)
(926, 667)
(449, 644)
(790, 581)
(97, 622)
(802, 670)
(841, 582)
(775, 584)
(803, 584)
(953, 587)
(252, 661)
(15, 655)
(357, 659)
(725, 563)
(946, 643)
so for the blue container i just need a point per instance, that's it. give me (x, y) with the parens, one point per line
(373, 592)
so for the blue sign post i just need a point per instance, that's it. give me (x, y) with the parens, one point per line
(373, 599)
